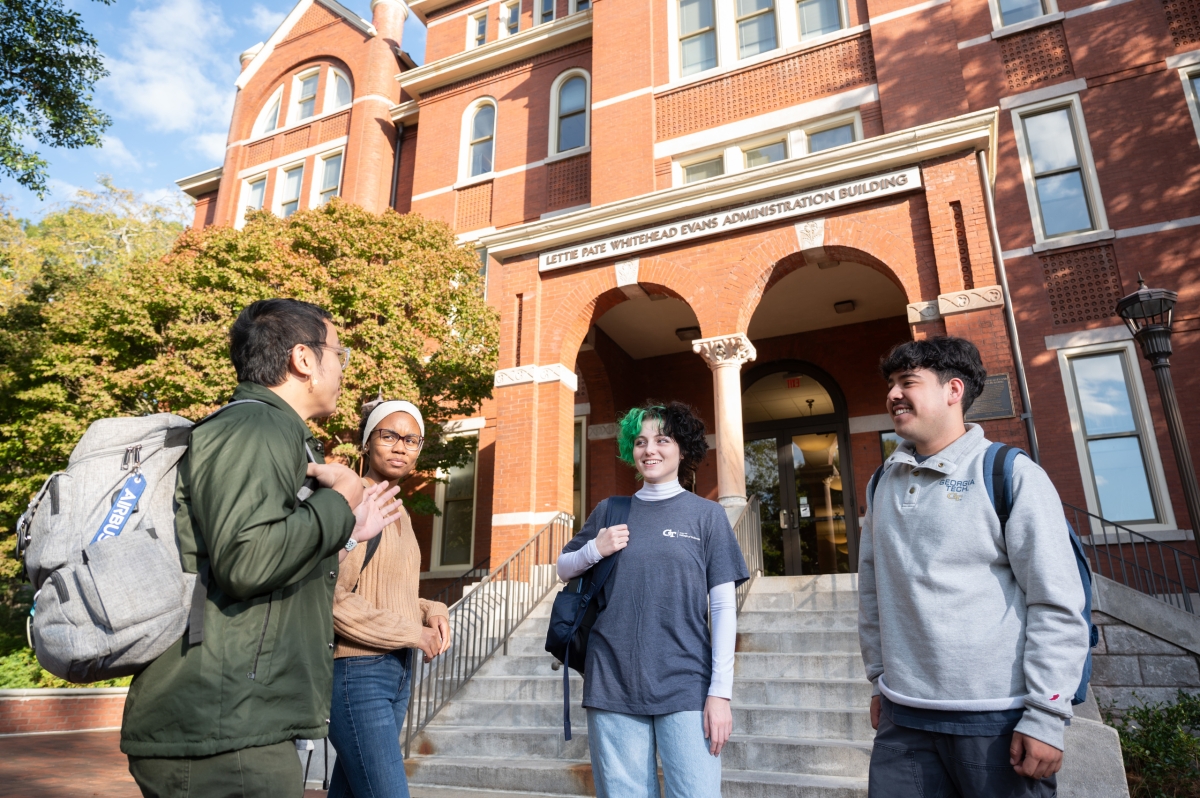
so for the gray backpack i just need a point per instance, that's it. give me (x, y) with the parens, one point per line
(99, 546)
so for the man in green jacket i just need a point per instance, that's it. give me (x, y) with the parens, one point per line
(215, 716)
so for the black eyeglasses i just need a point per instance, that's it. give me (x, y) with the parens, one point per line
(388, 438)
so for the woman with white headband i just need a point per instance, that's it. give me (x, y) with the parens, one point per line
(379, 619)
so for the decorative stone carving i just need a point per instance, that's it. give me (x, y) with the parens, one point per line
(988, 296)
(601, 432)
(627, 272)
(557, 372)
(514, 376)
(725, 350)
(810, 233)
(923, 311)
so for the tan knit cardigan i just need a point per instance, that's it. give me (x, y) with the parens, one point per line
(384, 614)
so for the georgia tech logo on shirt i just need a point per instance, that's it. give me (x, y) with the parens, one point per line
(956, 489)
(675, 533)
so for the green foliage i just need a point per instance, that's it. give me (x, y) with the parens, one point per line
(148, 336)
(20, 671)
(48, 65)
(1160, 746)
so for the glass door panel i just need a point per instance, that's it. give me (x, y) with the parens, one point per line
(763, 481)
(820, 515)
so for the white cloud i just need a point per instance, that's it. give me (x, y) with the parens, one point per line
(171, 72)
(210, 145)
(264, 19)
(115, 154)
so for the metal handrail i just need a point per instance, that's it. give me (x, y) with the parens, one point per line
(1136, 560)
(748, 530)
(483, 620)
(455, 590)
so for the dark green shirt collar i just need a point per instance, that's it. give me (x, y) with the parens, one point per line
(252, 390)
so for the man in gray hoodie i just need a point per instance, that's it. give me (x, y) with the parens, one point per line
(972, 635)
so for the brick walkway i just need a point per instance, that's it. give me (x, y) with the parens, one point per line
(78, 765)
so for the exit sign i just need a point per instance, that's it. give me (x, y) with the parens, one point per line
(794, 382)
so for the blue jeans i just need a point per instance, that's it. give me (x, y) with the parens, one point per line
(623, 747)
(370, 699)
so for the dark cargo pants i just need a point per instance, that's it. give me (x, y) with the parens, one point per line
(911, 763)
(268, 771)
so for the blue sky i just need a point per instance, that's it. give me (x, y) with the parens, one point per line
(170, 91)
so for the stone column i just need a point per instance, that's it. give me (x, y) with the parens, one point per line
(725, 355)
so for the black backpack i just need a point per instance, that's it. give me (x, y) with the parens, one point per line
(575, 609)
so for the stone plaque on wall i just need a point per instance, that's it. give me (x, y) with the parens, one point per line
(996, 401)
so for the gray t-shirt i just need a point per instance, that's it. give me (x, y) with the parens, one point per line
(650, 652)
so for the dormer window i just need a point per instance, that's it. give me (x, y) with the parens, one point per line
(479, 30)
(306, 96)
(268, 120)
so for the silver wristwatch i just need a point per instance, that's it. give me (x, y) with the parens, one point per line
(350, 544)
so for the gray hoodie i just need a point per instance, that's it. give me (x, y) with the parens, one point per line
(953, 615)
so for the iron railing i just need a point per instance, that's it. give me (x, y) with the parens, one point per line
(748, 529)
(483, 620)
(455, 590)
(1136, 560)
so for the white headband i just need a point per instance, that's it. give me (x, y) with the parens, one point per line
(386, 409)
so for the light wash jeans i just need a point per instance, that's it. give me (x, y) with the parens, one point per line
(623, 748)
(370, 699)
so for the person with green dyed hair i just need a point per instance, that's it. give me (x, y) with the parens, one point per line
(656, 682)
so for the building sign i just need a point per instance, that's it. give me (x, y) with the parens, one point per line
(996, 401)
(799, 204)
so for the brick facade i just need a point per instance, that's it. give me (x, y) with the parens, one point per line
(905, 72)
(40, 711)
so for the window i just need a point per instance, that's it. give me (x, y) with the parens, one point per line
(511, 22)
(341, 90)
(331, 177)
(755, 27)
(579, 470)
(290, 201)
(1054, 167)
(582, 5)
(831, 137)
(479, 29)
(457, 504)
(256, 191)
(572, 128)
(306, 96)
(1113, 437)
(704, 170)
(764, 154)
(1191, 90)
(697, 36)
(1014, 11)
(545, 11)
(481, 141)
(819, 17)
(268, 120)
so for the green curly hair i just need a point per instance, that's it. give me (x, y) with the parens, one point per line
(678, 421)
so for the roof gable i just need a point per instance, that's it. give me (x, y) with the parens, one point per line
(306, 16)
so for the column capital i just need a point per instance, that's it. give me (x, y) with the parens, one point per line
(725, 350)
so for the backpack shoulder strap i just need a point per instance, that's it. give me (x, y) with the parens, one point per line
(372, 547)
(998, 464)
(617, 513)
(872, 484)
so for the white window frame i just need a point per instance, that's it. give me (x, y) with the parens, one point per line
(573, 6)
(297, 81)
(435, 553)
(1189, 91)
(1091, 181)
(1048, 7)
(537, 12)
(240, 222)
(733, 152)
(555, 87)
(331, 91)
(506, 14)
(774, 11)
(464, 148)
(794, 28)
(314, 190)
(473, 26)
(277, 201)
(257, 132)
(1146, 432)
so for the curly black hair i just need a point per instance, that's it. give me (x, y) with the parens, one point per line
(946, 356)
(679, 421)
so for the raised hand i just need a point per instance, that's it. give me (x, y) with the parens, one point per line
(612, 539)
(378, 508)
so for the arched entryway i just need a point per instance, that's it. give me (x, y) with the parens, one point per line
(798, 464)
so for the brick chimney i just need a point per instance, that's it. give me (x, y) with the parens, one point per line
(388, 18)
(248, 55)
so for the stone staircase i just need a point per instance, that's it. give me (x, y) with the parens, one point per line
(800, 708)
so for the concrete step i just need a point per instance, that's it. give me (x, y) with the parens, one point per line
(753, 665)
(798, 642)
(845, 600)
(840, 693)
(765, 784)
(429, 791)
(799, 621)
(834, 723)
(804, 585)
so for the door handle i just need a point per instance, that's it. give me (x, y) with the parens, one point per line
(783, 519)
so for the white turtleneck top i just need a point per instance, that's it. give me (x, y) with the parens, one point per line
(722, 599)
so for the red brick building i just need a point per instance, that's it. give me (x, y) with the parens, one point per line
(742, 204)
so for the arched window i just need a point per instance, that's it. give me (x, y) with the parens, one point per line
(481, 140)
(572, 114)
(268, 120)
(340, 94)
